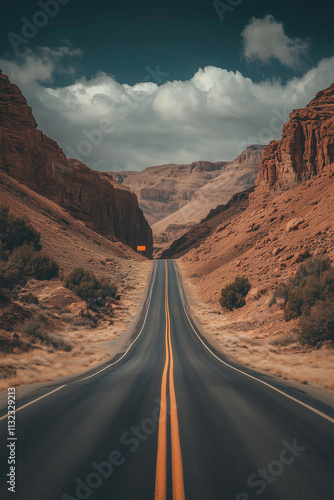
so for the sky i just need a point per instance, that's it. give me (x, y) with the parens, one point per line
(127, 85)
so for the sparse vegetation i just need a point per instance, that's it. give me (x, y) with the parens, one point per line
(233, 295)
(317, 326)
(309, 296)
(4, 298)
(35, 328)
(29, 298)
(88, 287)
(17, 231)
(21, 256)
(284, 340)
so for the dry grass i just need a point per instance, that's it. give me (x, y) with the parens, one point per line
(89, 346)
(268, 345)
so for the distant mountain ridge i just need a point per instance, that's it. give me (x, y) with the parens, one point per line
(35, 160)
(222, 216)
(235, 176)
(175, 197)
(162, 190)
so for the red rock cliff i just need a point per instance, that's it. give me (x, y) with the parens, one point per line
(306, 146)
(37, 161)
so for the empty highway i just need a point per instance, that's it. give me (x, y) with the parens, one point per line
(170, 418)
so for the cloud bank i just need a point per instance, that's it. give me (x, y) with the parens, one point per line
(112, 126)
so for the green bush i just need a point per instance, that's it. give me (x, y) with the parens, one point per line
(43, 267)
(4, 299)
(12, 273)
(88, 287)
(313, 281)
(25, 262)
(20, 252)
(317, 326)
(233, 295)
(17, 231)
(309, 295)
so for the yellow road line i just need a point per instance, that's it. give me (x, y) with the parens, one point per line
(177, 468)
(161, 467)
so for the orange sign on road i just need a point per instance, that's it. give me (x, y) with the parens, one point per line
(141, 249)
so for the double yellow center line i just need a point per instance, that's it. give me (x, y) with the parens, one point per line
(161, 467)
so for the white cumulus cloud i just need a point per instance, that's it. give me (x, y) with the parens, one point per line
(265, 39)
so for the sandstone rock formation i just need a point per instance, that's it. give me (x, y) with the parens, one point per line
(306, 146)
(163, 189)
(235, 176)
(37, 161)
(221, 217)
(280, 228)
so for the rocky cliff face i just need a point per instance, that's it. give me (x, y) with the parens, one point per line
(221, 216)
(205, 166)
(37, 161)
(163, 189)
(306, 146)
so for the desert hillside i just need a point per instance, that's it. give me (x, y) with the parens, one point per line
(70, 278)
(81, 336)
(290, 218)
(235, 176)
(295, 181)
(162, 190)
(37, 161)
(221, 216)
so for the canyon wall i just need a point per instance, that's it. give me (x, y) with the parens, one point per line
(306, 146)
(35, 160)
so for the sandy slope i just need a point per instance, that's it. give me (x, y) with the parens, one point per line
(258, 246)
(72, 244)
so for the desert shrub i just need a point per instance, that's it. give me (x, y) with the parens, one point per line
(313, 282)
(67, 317)
(17, 231)
(29, 298)
(88, 287)
(35, 328)
(284, 340)
(4, 298)
(309, 295)
(317, 326)
(4, 254)
(25, 262)
(233, 295)
(43, 267)
(12, 272)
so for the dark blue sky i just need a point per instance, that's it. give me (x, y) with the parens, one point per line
(123, 38)
(225, 83)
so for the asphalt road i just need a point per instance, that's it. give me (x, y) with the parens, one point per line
(170, 419)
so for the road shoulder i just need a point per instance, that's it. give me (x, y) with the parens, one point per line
(214, 328)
